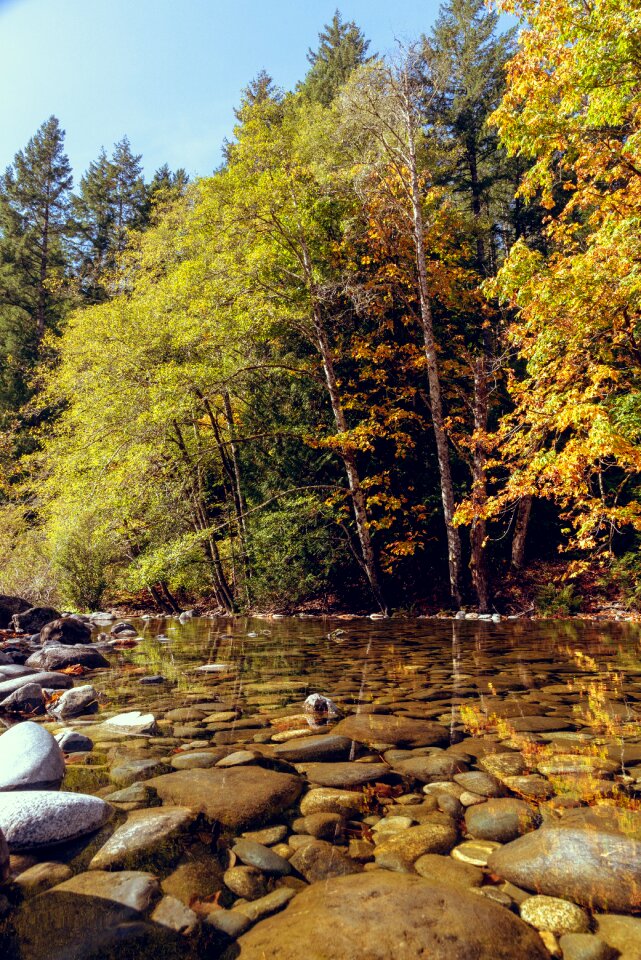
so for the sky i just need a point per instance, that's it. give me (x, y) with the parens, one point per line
(167, 73)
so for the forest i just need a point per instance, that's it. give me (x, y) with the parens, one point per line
(387, 357)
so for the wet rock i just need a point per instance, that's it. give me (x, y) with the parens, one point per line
(58, 658)
(377, 730)
(366, 917)
(44, 679)
(503, 765)
(133, 770)
(27, 700)
(501, 819)
(477, 781)
(591, 864)
(440, 869)
(174, 915)
(30, 759)
(41, 877)
(123, 629)
(133, 722)
(621, 933)
(328, 800)
(197, 759)
(130, 798)
(322, 826)
(237, 759)
(531, 787)
(256, 855)
(556, 915)
(569, 764)
(320, 860)
(239, 798)
(229, 924)
(476, 852)
(75, 702)
(344, 774)
(246, 882)
(269, 836)
(65, 630)
(309, 749)
(39, 818)
(196, 875)
(266, 906)
(149, 839)
(585, 946)
(539, 724)
(401, 850)
(70, 741)
(34, 619)
(441, 766)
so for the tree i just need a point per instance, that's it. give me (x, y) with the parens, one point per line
(34, 229)
(341, 50)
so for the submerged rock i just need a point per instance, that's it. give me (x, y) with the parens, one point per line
(308, 749)
(377, 729)
(149, 838)
(367, 916)
(30, 759)
(502, 820)
(132, 722)
(39, 818)
(75, 702)
(239, 797)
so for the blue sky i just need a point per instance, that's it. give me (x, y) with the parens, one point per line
(167, 73)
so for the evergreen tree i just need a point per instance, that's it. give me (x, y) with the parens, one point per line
(342, 48)
(34, 225)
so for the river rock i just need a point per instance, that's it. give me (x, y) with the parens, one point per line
(26, 700)
(307, 749)
(434, 769)
(9, 606)
(344, 774)
(39, 818)
(503, 765)
(378, 730)
(133, 770)
(256, 855)
(477, 781)
(133, 722)
(34, 619)
(501, 819)
(329, 800)
(402, 849)
(123, 629)
(585, 946)
(66, 630)
(590, 864)
(149, 838)
(239, 797)
(556, 915)
(319, 860)
(41, 877)
(47, 680)
(440, 869)
(75, 702)
(30, 759)
(59, 657)
(246, 882)
(265, 906)
(367, 916)
(70, 741)
(621, 933)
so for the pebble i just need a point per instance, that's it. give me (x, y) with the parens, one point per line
(256, 855)
(557, 916)
(274, 901)
(246, 882)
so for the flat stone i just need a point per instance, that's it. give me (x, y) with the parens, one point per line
(174, 915)
(197, 759)
(132, 722)
(30, 759)
(246, 882)
(440, 869)
(570, 764)
(39, 818)
(149, 838)
(308, 749)
(197, 875)
(344, 774)
(268, 836)
(501, 819)
(133, 770)
(503, 765)
(376, 729)
(476, 852)
(256, 855)
(41, 877)
(320, 860)
(239, 798)
(329, 800)
(556, 915)
(46, 679)
(238, 758)
(441, 766)
(367, 916)
(592, 865)
(230, 923)
(531, 787)
(401, 850)
(26, 700)
(539, 724)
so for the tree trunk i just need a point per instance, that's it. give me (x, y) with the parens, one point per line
(370, 564)
(172, 603)
(436, 402)
(478, 531)
(523, 512)
(160, 602)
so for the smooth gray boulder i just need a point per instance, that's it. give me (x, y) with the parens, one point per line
(30, 759)
(57, 658)
(149, 839)
(40, 818)
(47, 679)
(70, 741)
(75, 702)
(26, 700)
(65, 630)
(34, 619)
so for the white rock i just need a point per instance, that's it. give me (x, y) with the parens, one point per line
(38, 818)
(132, 722)
(30, 759)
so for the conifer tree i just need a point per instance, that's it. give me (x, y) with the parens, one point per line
(341, 49)
(34, 226)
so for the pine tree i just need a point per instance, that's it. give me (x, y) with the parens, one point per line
(129, 194)
(34, 227)
(342, 48)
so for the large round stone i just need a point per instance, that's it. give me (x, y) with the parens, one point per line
(149, 839)
(59, 657)
(402, 849)
(65, 630)
(381, 915)
(34, 619)
(322, 747)
(30, 759)
(39, 818)
(237, 797)
(380, 730)
(502, 819)
(344, 774)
